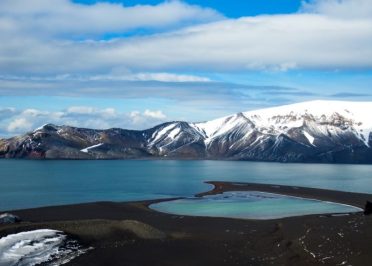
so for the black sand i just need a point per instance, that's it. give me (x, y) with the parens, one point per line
(133, 234)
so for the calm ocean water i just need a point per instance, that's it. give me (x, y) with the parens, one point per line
(26, 184)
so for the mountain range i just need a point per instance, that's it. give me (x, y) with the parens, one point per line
(314, 132)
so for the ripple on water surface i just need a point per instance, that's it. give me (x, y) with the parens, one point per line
(251, 205)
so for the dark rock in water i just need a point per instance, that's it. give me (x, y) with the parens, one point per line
(8, 218)
(368, 208)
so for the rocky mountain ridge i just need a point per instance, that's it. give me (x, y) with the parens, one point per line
(317, 131)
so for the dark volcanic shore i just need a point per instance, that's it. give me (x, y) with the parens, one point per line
(132, 234)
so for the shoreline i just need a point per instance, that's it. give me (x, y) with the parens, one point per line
(353, 199)
(159, 158)
(123, 233)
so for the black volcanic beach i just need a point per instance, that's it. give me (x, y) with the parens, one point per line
(132, 234)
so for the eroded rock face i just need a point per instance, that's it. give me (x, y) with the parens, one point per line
(8, 218)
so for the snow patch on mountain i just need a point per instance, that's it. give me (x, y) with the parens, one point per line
(309, 138)
(87, 149)
(321, 118)
(338, 115)
(157, 135)
(294, 115)
(40, 128)
(173, 133)
(219, 127)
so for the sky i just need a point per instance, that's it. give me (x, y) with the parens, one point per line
(134, 64)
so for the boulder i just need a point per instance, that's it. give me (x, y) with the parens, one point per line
(368, 208)
(8, 218)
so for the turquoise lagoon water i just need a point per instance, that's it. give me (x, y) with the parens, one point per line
(250, 205)
(27, 184)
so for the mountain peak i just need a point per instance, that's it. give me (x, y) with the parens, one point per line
(315, 131)
(47, 127)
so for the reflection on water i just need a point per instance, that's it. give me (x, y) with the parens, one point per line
(250, 205)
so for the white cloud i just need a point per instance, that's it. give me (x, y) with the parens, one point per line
(138, 118)
(163, 77)
(20, 121)
(60, 17)
(7, 112)
(168, 77)
(108, 113)
(357, 9)
(154, 114)
(261, 43)
(320, 37)
(19, 124)
(33, 112)
(82, 110)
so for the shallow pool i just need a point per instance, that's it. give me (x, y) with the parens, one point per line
(250, 205)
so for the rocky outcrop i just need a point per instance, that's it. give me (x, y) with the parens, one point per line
(8, 218)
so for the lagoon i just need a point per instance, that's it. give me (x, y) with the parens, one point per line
(250, 205)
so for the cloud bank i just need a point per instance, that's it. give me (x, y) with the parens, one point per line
(61, 18)
(343, 9)
(38, 38)
(15, 121)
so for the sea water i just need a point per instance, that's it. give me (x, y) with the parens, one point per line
(28, 183)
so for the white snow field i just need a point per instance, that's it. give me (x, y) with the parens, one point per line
(38, 246)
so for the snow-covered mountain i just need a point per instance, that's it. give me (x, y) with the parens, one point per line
(316, 131)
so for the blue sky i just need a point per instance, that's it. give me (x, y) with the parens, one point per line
(134, 64)
(230, 9)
